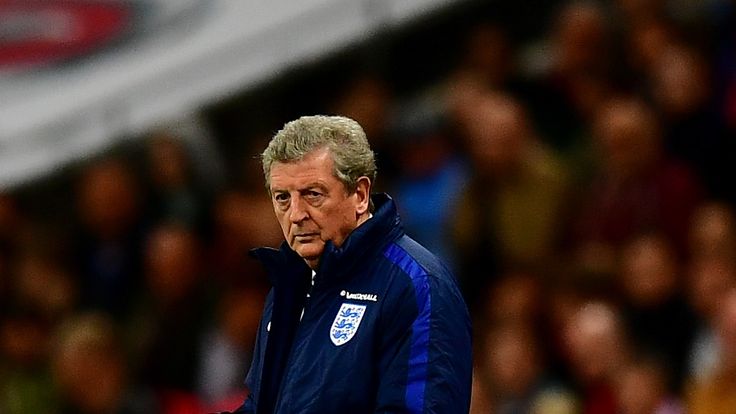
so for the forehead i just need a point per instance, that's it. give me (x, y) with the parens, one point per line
(316, 167)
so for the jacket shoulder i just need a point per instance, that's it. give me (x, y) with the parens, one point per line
(407, 248)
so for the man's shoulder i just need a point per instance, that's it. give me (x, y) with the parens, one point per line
(427, 279)
(415, 259)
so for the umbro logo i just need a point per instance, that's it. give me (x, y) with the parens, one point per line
(359, 296)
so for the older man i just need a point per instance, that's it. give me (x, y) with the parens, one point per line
(361, 318)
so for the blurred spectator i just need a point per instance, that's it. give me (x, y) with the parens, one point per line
(487, 59)
(33, 294)
(657, 316)
(642, 388)
(692, 128)
(108, 241)
(25, 380)
(511, 206)
(597, 348)
(515, 298)
(167, 324)
(429, 179)
(712, 231)
(40, 283)
(174, 193)
(637, 188)
(646, 40)
(488, 55)
(580, 35)
(90, 370)
(460, 98)
(563, 298)
(711, 274)
(715, 393)
(227, 348)
(512, 367)
(574, 76)
(710, 279)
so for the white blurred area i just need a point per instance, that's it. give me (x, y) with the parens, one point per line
(178, 56)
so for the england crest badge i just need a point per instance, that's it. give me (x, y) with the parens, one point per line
(346, 323)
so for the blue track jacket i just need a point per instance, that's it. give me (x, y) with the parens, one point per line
(385, 329)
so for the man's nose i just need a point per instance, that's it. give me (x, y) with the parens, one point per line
(297, 212)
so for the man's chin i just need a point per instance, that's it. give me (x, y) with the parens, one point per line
(311, 259)
(309, 253)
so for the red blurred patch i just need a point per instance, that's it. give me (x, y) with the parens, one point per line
(42, 32)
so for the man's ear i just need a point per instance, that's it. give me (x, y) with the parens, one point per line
(362, 195)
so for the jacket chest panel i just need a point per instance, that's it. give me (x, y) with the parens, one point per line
(333, 348)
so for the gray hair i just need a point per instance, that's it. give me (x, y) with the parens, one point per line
(344, 137)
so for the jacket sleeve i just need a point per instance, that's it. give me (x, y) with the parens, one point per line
(425, 361)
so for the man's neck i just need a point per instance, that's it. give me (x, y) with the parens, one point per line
(363, 218)
(313, 264)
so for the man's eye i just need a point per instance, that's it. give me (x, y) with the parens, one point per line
(313, 195)
(281, 198)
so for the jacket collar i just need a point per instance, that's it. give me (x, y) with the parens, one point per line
(364, 242)
(283, 265)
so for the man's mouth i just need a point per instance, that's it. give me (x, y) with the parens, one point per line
(305, 236)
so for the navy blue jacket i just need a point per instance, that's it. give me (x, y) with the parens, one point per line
(385, 329)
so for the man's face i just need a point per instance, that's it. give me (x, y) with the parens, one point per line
(313, 206)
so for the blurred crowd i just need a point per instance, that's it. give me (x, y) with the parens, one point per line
(577, 182)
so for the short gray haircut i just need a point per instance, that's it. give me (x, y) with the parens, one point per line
(344, 137)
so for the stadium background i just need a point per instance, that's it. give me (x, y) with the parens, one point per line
(570, 160)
